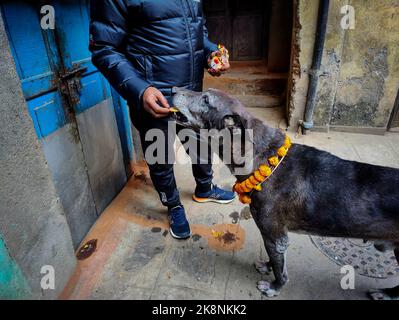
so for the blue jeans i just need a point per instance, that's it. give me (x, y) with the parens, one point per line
(162, 174)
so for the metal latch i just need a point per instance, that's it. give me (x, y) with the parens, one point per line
(76, 72)
(70, 84)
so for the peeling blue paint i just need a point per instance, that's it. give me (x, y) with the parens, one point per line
(13, 284)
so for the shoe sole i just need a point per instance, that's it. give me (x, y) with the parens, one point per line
(177, 237)
(205, 200)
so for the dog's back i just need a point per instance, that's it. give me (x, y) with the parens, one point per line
(340, 197)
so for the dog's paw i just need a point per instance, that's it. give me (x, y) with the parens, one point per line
(263, 267)
(380, 294)
(268, 289)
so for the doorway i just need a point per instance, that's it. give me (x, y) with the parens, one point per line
(393, 124)
(70, 105)
(240, 26)
(258, 36)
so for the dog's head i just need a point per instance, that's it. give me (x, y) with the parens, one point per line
(211, 109)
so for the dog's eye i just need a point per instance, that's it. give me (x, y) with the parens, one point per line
(206, 99)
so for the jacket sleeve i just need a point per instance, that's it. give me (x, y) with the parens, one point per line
(108, 29)
(209, 46)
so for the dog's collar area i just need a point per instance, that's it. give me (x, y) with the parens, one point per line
(254, 183)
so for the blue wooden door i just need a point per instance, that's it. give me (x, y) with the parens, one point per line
(38, 65)
(71, 106)
(72, 27)
(58, 78)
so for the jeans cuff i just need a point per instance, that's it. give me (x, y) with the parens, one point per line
(171, 201)
(203, 187)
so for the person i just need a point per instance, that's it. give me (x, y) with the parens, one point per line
(144, 49)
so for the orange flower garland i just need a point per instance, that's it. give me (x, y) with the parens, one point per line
(254, 182)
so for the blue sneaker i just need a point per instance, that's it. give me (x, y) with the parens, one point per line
(214, 195)
(179, 226)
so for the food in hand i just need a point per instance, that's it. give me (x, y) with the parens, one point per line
(219, 58)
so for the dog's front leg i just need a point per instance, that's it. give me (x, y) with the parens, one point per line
(276, 249)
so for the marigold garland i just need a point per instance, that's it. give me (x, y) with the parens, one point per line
(273, 161)
(254, 182)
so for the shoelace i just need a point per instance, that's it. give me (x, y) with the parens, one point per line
(177, 214)
(216, 192)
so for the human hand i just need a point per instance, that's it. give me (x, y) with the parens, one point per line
(155, 103)
(223, 68)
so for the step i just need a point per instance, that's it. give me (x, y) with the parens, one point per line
(260, 101)
(246, 83)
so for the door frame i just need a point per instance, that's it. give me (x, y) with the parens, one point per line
(394, 114)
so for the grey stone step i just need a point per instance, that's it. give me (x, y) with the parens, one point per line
(248, 81)
(260, 101)
(247, 85)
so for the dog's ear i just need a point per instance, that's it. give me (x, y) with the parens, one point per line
(232, 122)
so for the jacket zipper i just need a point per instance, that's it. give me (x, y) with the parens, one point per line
(193, 15)
(189, 42)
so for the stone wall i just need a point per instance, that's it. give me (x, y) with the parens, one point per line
(360, 68)
(33, 228)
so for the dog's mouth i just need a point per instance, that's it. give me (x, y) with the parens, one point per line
(179, 116)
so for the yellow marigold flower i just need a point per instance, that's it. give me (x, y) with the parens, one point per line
(273, 161)
(244, 187)
(287, 142)
(249, 184)
(265, 170)
(258, 176)
(282, 151)
(238, 188)
(245, 199)
(258, 187)
(253, 180)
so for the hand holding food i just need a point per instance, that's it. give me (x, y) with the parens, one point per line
(218, 61)
(155, 103)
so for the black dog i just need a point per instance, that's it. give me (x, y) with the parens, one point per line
(312, 191)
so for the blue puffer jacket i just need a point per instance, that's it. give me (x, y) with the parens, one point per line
(142, 43)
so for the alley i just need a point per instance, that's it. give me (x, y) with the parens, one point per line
(136, 258)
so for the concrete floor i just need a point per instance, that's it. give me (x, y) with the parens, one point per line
(136, 258)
